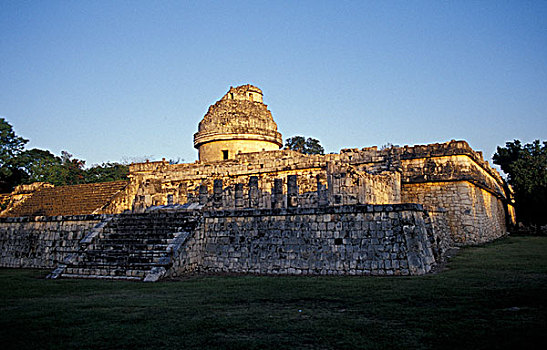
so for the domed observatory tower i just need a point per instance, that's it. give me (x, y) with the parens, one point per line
(239, 123)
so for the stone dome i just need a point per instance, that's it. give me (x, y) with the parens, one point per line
(238, 123)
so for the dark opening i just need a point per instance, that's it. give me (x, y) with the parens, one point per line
(338, 241)
(225, 154)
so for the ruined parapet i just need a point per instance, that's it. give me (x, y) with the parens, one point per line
(183, 180)
(347, 185)
(454, 177)
(449, 161)
(238, 123)
(341, 185)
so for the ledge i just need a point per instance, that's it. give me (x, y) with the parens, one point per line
(202, 138)
(343, 209)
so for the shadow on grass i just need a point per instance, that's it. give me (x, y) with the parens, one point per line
(492, 296)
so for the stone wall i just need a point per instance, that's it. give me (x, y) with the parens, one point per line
(453, 176)
(228, 149)
(441, 237)
(353, 240)
(399, 239)
(347, 186)
(42, 242)
(378, 181)
(449, 175)
(474, 215)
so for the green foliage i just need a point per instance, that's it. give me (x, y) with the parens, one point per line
(39, 166)
(106, 172)
(490, 297)
(526, 169)
(18, 166)
(10, 146)
(303, 145)
(72, 170)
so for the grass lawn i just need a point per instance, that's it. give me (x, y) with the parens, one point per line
(493, 296)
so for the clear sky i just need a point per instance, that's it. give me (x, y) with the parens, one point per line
(122, 80)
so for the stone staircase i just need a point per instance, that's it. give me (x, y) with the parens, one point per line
(138, 247)
(66, 200)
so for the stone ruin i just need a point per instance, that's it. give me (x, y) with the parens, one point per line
(246, 206)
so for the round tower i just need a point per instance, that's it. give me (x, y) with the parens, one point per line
(238, 123)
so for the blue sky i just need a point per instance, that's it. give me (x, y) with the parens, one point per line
(125, 80)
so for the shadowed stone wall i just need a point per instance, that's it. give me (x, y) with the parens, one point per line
(42, 242)
(345, 240)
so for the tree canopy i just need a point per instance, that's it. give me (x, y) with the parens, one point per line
(20, 166)
(11, 146)
(303, 145)
(526, 169)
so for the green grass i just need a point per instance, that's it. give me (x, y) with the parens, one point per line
(493, 296)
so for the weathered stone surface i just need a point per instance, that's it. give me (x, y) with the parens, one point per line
(357, 240)
(296, 241)
(42, 242)
(239, 123)
(265, 210)
(47, 200)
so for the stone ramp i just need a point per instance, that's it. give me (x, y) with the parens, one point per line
(67, 200)
(138, 247)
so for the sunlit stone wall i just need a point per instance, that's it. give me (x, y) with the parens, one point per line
(474, 215)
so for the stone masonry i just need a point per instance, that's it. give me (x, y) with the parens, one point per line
(246, 206)
(355, 240)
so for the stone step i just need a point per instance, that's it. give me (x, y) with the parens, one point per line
(133, 235)
(93, 272)
(121, 252)
(122, 258)
(133, 239)
(110, 268)
(124, 261)
(130, 248)
(125, 247)
(149, 221)
(129, 278)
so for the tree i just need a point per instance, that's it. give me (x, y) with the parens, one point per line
(10, 146)
(18, 166)
(39, 166)
(106, 172)
(72, 170)
(526, 169)
(303, 145)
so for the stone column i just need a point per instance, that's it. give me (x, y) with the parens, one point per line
(238, 196)
(322, 198)
(292, 191)
(253, 192)
(277, 194)
(203, 194)
(217, 193)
